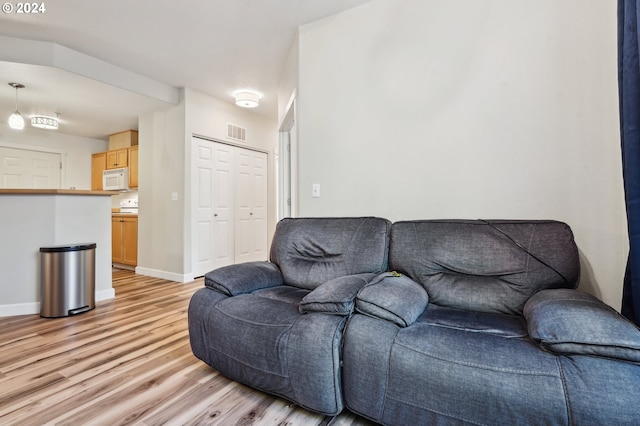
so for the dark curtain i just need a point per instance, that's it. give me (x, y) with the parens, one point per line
(629, 97)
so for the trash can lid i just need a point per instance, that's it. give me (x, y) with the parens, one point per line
(68, 247)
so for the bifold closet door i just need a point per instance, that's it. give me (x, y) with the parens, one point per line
(251, 206)
(230, 205)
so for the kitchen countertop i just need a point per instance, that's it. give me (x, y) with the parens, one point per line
(18, 191)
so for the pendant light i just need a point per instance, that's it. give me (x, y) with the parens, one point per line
(16, 121)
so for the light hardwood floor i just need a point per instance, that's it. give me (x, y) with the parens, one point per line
(128, 361)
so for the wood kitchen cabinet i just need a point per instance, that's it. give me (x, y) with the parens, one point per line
(133, 167)
(124, 239)
(124, 157)
(98, 165)
(123, 139)
(118, 158)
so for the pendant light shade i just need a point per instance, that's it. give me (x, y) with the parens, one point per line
(16, 121)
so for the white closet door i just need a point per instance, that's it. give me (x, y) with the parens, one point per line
(22, 168)
(214, 221)
(230, 205)
(251, 206)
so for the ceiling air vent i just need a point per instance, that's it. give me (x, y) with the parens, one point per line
(236, 132)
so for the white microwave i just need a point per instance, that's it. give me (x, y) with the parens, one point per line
(115, 179)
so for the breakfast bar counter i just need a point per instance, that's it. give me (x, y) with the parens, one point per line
(34, 218)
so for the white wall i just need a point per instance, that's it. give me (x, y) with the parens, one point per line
(288, 83)
(161, 171)
(468, 109)
(76, 151)
(164, 233)
(208, 117)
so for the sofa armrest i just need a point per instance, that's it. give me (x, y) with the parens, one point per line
(243, 278)
(570, 322)
(336, 296)
(393, 297)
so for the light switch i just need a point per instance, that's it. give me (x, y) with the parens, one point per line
(315, 190)
(174, 196)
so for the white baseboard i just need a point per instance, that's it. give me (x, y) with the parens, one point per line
(34, 307)
(19, 309)
(171, 276)
(105, 294)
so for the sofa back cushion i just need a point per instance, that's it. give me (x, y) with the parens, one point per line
(485, 266)
(311, 251)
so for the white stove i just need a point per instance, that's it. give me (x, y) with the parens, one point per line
(129, 206)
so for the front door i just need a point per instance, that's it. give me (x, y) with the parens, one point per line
(28, 169)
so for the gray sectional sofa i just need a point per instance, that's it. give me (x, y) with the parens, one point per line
(422, 322)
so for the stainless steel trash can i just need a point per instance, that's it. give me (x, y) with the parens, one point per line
(67, 279)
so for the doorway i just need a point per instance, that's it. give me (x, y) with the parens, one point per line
(287, 155)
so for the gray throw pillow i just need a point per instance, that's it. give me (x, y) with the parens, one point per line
(393, 297)
(336, 296)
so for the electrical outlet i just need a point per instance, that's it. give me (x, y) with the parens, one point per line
(315, 190)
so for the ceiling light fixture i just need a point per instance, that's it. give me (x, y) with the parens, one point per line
(44, 122)
(247, 99)
(15, 120)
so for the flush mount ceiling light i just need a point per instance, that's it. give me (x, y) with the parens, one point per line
(247, 99)
(44, 122)
(15, 120)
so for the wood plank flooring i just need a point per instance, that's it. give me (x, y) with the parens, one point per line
(128, 362)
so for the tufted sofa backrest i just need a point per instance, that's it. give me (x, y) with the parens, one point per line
(485, 266)
(311, 251)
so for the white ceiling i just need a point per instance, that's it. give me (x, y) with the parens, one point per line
(214, 46)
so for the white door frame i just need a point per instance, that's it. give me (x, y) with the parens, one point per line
(288, 163)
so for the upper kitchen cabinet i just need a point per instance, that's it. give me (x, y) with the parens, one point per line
(123, 152)
(118, 158)
(133, 167)
(98, 165)
(125, 139)
(119, 145)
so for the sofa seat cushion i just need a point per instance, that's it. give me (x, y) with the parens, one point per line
(262, 340)
(252, 331)
(485, 266)
(506, 379)
(431, 374)
(510, 326)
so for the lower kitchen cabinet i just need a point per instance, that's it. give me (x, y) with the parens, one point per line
(124, 239)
